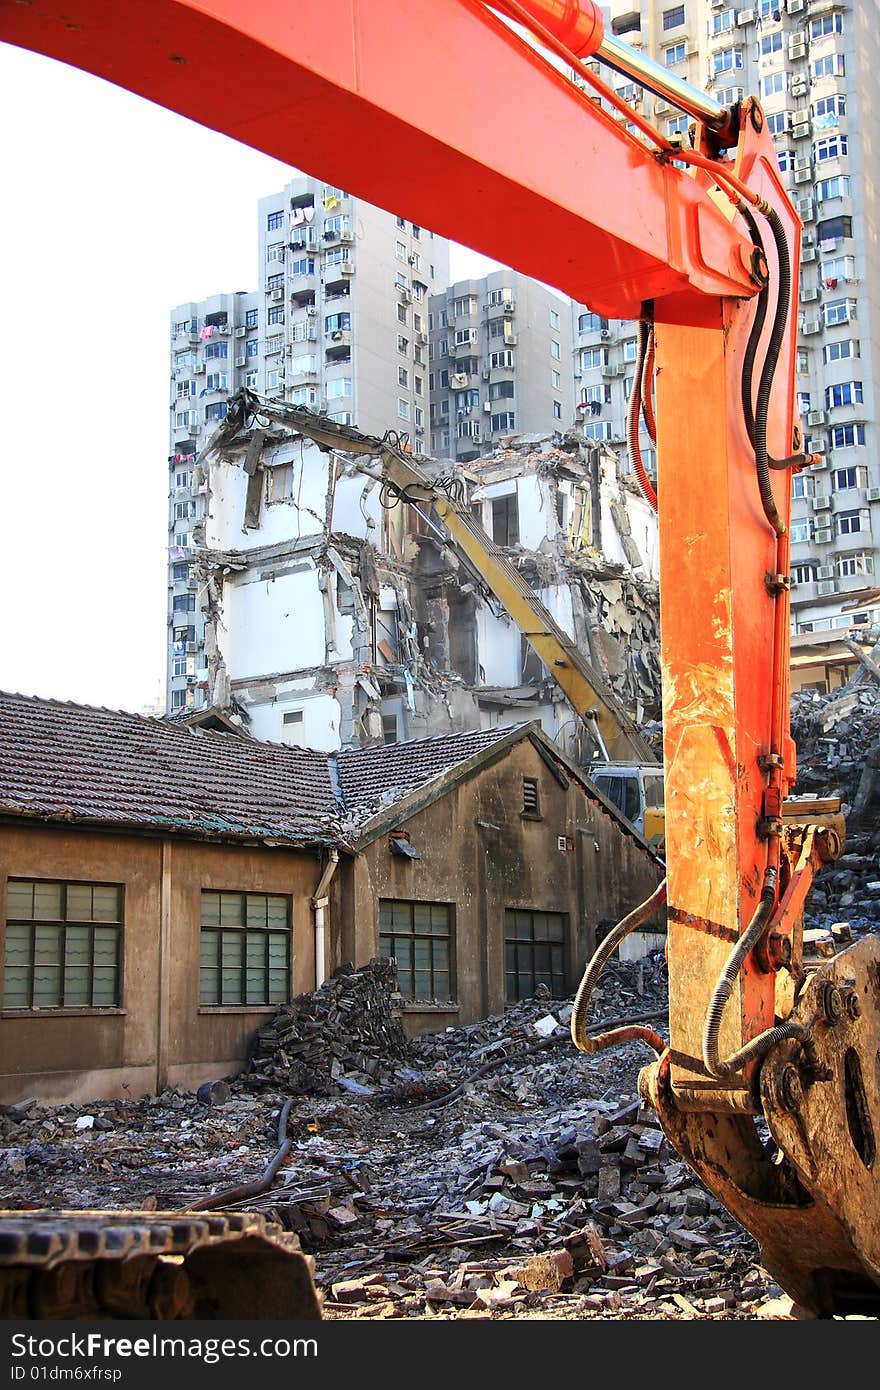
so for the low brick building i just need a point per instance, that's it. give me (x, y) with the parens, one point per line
(164, 887)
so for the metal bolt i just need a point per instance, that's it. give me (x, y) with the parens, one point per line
(832, 1003)
(854, 1005)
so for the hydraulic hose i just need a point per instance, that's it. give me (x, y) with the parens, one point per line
(762, 405)
(760, 1045)
(594, 969)
(633, 415)
(757, 329)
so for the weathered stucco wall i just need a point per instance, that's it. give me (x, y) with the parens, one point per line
(481, 855)
(160, 1035)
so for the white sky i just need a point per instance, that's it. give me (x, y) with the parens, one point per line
(107, 224)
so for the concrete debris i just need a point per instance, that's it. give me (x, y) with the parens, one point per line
(348, 1031)
(838, 742)
(541, 1189)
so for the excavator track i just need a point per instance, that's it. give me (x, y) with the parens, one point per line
(159, 1265)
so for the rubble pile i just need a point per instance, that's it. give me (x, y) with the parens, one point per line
(349, 1032)
(499, 1174)
(838, 743)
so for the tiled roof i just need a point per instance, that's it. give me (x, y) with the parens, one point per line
(76, 763)
(370, 778)
(69, 762)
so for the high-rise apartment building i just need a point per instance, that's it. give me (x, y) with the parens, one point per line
(501, 363)
(811, 63)
(339, 323)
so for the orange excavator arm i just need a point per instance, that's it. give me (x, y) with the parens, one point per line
(441, 110)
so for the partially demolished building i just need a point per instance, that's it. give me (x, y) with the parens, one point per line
(337, 615)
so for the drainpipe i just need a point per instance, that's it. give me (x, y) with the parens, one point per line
(320, 902)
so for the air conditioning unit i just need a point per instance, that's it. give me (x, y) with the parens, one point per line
(346, 238)
(240, 361)
(800, 130)
(826, 586)
(802, 176)
(487, 407)
(486, 374)
(276, 295)
(745, 17)
(458, 380)
(822, 535)
(604, 332)
(312, 311)
(809, 294)
(816, 417)
(806, 211)
(240, 332)
(199, 368)
(423, 338)
(811, 326)
(821, 504)
(223, 329)
(795, 6)
(808, 254)
(802, 166)
(336, 335)
(691, 50)
(797, 47)
(825, 572)
(798, 88)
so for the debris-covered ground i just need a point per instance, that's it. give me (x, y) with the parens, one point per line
(492, 1171)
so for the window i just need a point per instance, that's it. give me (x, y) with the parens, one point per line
(837, 268)
(402, 343)
(418, 936)
(400, 251)
(826, 24)
(800, 531)
(555, 350)
(555, 379)
(501, 359)
(216, 351)
(672, 18)
(252, 381)
(303, 265)
(245, 948)
(505, 421)
(777, 123)
(501, 390)
(557, 410)
(804, 573)
(337, 323)
(842, 479)
(554, 319)
(848, 523)
(593, 358)
(827, 110)
(838, 311)
(402, 377)
(183, 359)
(402, 312)
(849, 565)
(677, 126)
(845, 393)
(251, 318)
(848, 437)
(531, 800)
(217, 412)
(832, 147)
(292, 727)
(591, 323)
(274, 221)
(402, 408)
(774, 82)
(598, 430)
(418, 385)
(837, 187)
(304, 395)
(185, 388)
(341, 386)
(253, 348)
(180, 571)
(63, 945)
(216, 381)
(675, 53)
(178, 666)
(772, 43)
(837, 352)
(275, 282)
(785, 160)
(629, 350)
(274, 344)
(505, 512)
(275, 315)
(726, 60)
(830, 66)
(534, 953)
(801, 485)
